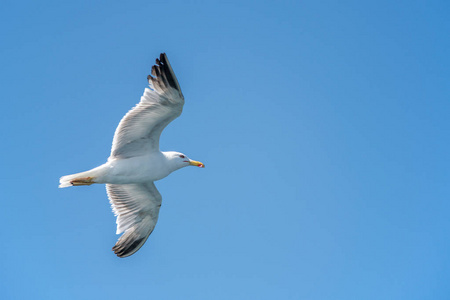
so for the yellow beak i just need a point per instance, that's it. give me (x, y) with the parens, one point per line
(196, 163)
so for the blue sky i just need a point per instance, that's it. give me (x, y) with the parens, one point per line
(323, 125)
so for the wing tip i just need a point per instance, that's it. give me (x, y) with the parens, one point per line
(162, 74)
(127, 246)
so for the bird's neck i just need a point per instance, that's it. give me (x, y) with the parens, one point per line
(171, 162)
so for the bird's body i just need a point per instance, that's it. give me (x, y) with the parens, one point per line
(151, 167)
(136, 161)
(146, 168)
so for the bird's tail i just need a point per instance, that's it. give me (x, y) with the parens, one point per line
(83, 178)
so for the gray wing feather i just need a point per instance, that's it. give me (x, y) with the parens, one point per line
(139, 130)
(137, 208)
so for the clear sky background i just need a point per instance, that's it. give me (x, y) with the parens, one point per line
(323, 125)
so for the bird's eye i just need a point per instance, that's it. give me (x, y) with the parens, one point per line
(182, 156)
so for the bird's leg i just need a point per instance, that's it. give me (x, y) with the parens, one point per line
(82, 181)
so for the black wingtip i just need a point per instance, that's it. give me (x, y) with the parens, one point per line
(125, 250)
(162, 75)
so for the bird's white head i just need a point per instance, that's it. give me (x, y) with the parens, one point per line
(180, 160)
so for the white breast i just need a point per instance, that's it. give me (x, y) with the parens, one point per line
(139, 169)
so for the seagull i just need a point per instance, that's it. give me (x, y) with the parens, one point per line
(136, 162)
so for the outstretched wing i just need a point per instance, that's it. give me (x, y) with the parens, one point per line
(136, 207)
(139, 130)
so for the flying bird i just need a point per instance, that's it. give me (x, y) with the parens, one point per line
(136, 161)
